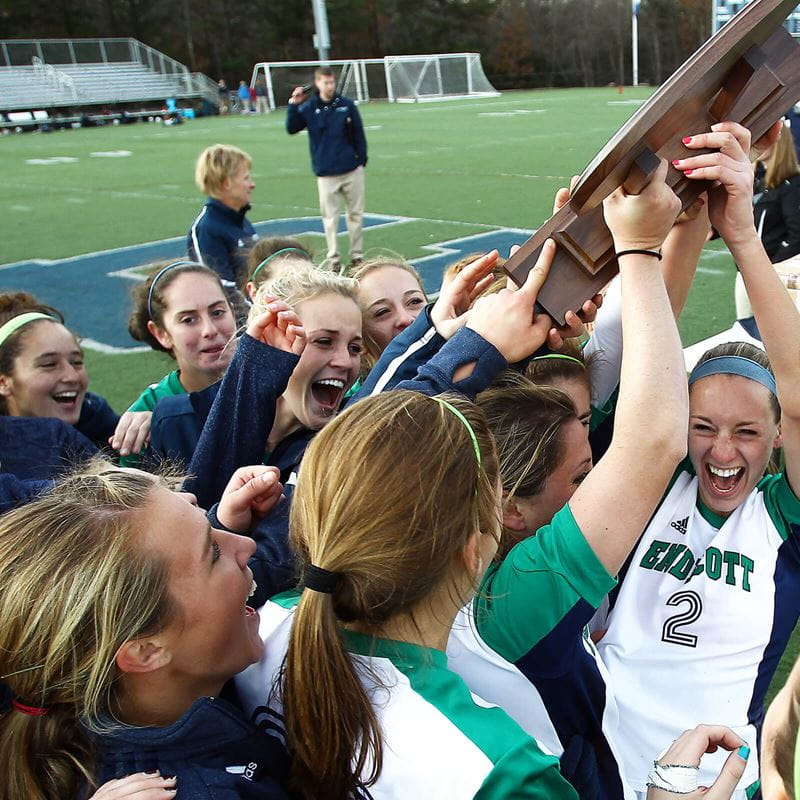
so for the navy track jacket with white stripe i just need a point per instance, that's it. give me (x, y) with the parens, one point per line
(220, 238)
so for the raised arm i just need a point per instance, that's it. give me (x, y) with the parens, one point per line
(423, 339)
(730, 208)
(615, 501)
(681, 251)
(235, 433)
(501, 329)
(778, 738)
(295, 121)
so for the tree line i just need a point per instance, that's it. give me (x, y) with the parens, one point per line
(524, 43)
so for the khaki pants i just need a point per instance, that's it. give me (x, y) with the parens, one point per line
(333, 188)
(261, 104)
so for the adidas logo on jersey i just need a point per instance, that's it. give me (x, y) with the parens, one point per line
(680, 525)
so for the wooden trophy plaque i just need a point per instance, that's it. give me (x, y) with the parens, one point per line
(749, 73)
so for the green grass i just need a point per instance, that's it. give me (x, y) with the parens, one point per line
(456, 162)
(458, 166)
(441, 161)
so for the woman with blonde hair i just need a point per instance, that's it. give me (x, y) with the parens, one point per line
(713, 579)
(369, 705)
(776, 208)
(391, 294)
(221, 230)
(285, 382)
(140, 617)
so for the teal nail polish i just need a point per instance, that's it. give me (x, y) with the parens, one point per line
(743, 752)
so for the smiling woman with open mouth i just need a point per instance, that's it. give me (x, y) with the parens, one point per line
(705, 580)
(300, 356)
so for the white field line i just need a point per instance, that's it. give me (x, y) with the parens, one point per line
(390, 220)
(108, 349)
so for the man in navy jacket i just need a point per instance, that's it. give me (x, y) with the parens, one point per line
(338, 157)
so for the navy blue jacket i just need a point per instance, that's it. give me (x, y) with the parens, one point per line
(98, 420)
(335, 133)
(176, 426)
(466, 346)
(220, 238)
(214, 751)
(40, 448)
(235, 433)
(420, 359)
(402, 357)
(14, 492)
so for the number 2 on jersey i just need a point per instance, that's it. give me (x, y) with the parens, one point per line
(671, 633)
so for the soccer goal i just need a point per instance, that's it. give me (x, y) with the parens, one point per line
(414, 79)
(400, 79)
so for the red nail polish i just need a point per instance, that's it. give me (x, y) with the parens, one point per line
(688, 171)
(686, 139)
(676, 162)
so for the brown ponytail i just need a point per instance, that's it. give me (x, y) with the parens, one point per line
(526, 422)
(394, 526)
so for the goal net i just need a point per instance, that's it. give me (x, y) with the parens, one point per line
(412, 79)
(400, 79)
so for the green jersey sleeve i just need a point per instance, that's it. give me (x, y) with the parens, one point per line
(524, 598)
(782, 504)
(525, 773)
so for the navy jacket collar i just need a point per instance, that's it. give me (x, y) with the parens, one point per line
(221, 208)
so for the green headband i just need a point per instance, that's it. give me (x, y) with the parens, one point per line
(15, 323)
(450, 407)
(274, 255)
(562, 357)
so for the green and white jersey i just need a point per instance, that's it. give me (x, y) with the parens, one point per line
(703, 615)
(522, 645)
(439, 740)
(500, 681)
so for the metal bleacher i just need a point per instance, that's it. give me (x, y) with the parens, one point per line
(76, 73)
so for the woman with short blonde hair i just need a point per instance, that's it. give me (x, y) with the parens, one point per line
(221, 234)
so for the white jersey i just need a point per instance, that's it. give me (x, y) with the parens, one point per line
(499, 681)
(439, 740)
(521, 645)
(697, 629)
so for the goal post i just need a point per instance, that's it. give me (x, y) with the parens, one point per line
(443, 76)
(419, 78)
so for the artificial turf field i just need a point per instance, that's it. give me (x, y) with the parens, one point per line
(450, 169)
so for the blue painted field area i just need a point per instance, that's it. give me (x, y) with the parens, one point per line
(92, 290)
